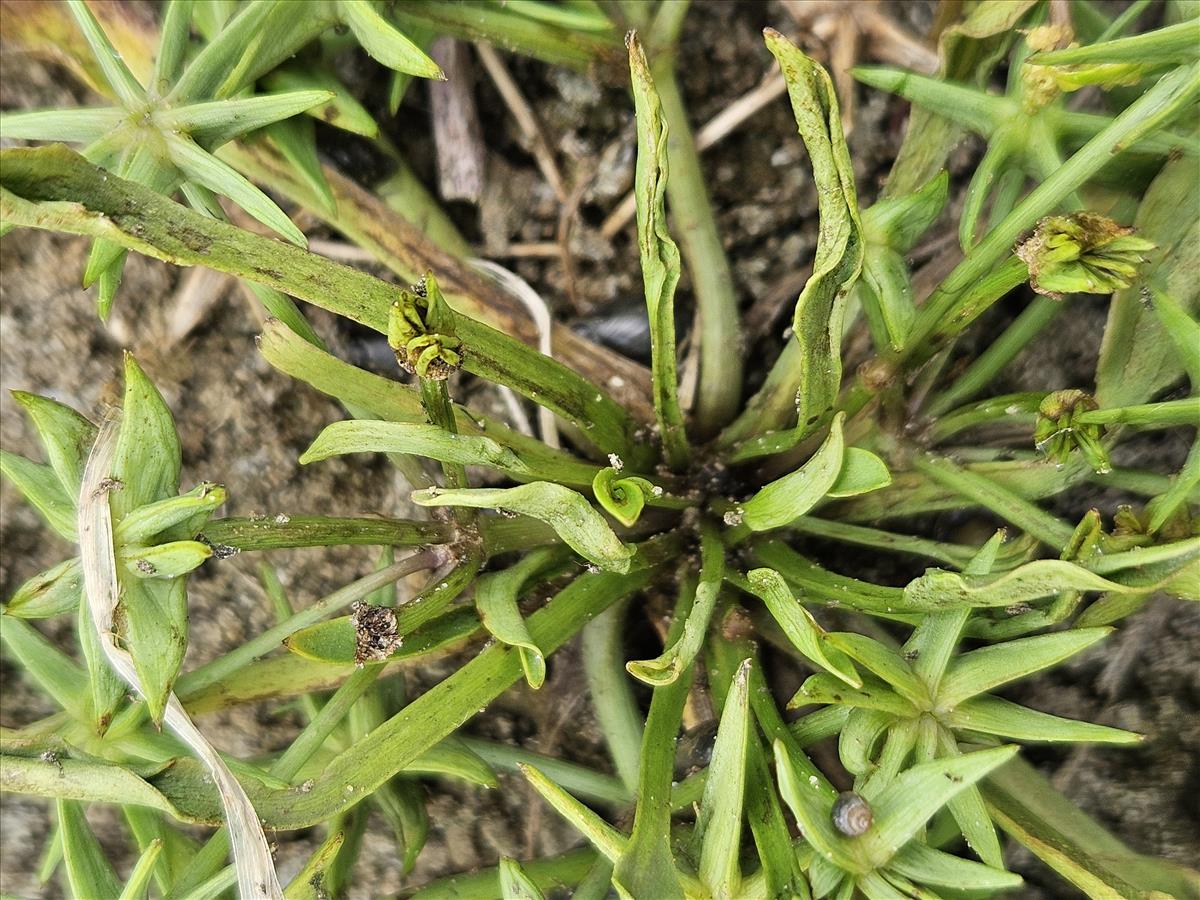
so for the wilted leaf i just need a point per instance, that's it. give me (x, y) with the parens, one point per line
(496, 599)
(659, 254)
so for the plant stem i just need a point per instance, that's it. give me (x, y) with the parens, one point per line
(262, 533)
(1048, 529)
(581, 781)
(1028, 325)
(612, 700)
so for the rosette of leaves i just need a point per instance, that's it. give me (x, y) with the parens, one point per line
(924, 701)
(154, 536)
(163, 129)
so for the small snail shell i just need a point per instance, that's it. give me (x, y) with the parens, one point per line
(851, 814)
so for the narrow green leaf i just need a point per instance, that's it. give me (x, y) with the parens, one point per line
(204, 168)
(1035, 814)
(1000, 499)
(213, 123)
(659, 254)
(147, 458)
(88, 871)
(283, 531)
(364, 436)
(516, 33)
(260, 36)
(610, 842)
(887, 664)
(989, 667)
(154, 627)
(65, 434)
(1166, 414)
(49, 593)
(182, 515)
(496, 599)
(454, 759)
(1172, 44)
(309, 883)
(861, 473)
(991, 715)
(679, 655)
(719, 821)
(907, 803)
(172, 45)
(39, 485)
(514, 883)
(1183, 486)
(147, 827)
(647, 867)
(138, 885)
(1137, 359)
(974, 109)
(1183, 330)
(798, 624)
(296, 139)
(383, 42)
(611, 694)
(567, 512)
(116, 73)
(791, 496)
(342, 110)
(107, 689)
(824, 688)
(169, 560)
(967, 808)
(81, 126)
(49, 668)
(925, 865)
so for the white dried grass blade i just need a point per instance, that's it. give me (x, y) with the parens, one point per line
(251, 854)
(519, 288)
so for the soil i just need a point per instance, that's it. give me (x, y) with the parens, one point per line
(243, 424)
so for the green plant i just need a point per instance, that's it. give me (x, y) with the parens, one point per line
(707, 513)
